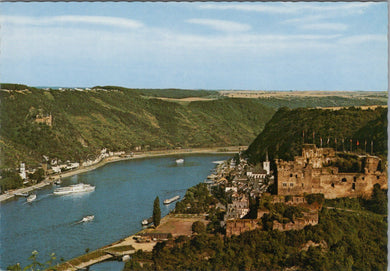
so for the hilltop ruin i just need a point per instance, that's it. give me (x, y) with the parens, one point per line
(317, 171)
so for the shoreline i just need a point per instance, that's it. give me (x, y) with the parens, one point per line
(78, 263)
(149, 154)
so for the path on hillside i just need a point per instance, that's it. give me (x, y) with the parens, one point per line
(365, 212)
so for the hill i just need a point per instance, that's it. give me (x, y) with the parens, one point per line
(75, 124)
(352, 238)
(84, 122)
(288, 129)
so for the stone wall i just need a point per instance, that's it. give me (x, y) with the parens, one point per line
(309, 218)
(238, 226)
(45, 120)
(307, 174)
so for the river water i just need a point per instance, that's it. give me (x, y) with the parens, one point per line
(124, 195)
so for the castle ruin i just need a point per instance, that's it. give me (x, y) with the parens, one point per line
(313, 172)
(48, 119)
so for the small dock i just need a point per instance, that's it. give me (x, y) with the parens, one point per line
(114, 251)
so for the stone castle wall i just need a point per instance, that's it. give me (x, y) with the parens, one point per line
(48, 120)
(238, 226)
(306, 174)
(309, 218)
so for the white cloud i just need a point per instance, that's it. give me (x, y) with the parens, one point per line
(305, 19)
(247, 7)
(73, 44)
(325, 26)
(221, 25)
(54, 20)
(291, 8)
(70, 43)
(358, 39)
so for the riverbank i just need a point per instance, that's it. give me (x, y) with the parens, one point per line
(176, 225)
(49, 180)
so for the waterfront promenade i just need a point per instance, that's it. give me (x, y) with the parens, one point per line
(139, 155)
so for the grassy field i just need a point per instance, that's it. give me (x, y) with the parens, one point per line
(285, 94)
(178, 224)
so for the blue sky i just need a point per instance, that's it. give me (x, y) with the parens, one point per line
(204, 45)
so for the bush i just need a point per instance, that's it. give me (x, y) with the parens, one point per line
(311, 198)
(198, 227)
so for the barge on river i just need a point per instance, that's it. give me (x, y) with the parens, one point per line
(169, 201)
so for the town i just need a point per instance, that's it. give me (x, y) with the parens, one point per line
(297, 183)
(250, 197)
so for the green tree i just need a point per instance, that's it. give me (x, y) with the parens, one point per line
(156, 212)
(39, 175)
(10, 180)
(378, 202)
(198, 227)
(35, 264)
(311, 198)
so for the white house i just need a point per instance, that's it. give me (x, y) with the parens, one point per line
(22, 172)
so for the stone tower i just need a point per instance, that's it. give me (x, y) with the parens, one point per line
(371, 164)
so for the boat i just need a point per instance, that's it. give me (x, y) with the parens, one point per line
(212, 176)
(22, 194)
(146, 222)
(180, 161)
(58, 182)
(75, 188)
(87, 218)
(218, 162)
(31, 198)
(169, 201)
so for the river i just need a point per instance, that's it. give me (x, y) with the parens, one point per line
(124, 195)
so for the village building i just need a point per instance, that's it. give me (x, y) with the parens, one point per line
(22, 171)
(312, 173)
(237, 209)
(258, 172)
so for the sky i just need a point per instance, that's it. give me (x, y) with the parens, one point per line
(197, 45)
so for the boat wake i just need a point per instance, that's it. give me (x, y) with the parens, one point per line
(38, 199)
(87, 218)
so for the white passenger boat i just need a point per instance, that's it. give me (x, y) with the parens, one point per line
(169, 201)
(31, 198)
(88, 218)
(75, 188)
(180, 161)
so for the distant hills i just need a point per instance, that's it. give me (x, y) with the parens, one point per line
(288, 129)
(84, 121)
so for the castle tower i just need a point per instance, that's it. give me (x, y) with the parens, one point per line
(266, 164)
(371, 164)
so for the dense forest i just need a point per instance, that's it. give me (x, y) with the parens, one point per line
(288, 129)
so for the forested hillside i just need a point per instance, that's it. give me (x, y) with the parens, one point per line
(324, 101)
(116, 118)
(288, 129)
(83, 122)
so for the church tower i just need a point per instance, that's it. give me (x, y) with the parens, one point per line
(266, 164)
